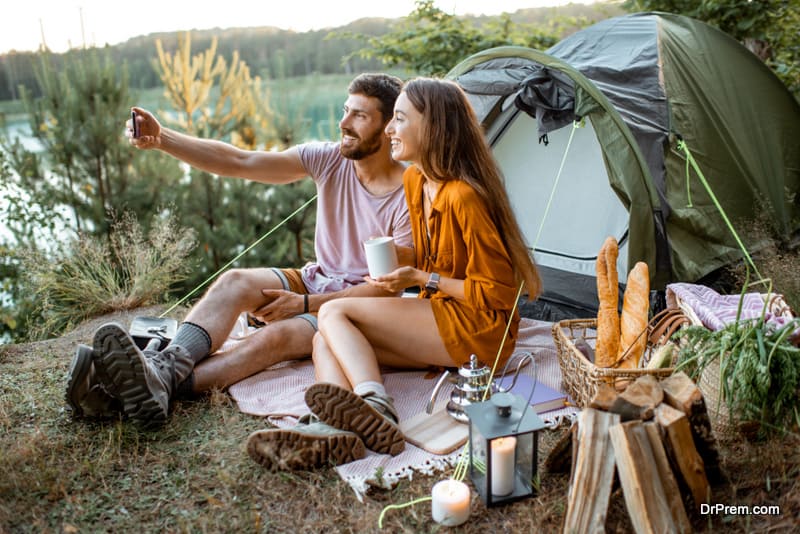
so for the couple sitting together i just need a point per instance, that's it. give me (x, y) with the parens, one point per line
(457, 240)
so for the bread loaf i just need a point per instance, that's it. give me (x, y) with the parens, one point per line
(634, 318)
(608, 333)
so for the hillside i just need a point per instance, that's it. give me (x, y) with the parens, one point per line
(272, 52)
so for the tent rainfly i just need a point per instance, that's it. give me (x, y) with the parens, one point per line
(588, 136)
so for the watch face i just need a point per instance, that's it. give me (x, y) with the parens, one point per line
(433, 282)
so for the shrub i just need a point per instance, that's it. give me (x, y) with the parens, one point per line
(86, 277)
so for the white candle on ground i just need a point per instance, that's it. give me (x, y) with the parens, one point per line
(503, 465)
(450, 502)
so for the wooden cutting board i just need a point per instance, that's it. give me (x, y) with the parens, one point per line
(438, 432)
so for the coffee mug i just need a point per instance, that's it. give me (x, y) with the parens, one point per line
(381, 255)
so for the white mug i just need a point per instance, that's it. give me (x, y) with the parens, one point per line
(381, 256)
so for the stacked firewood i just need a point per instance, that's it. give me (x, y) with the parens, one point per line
(656, 437)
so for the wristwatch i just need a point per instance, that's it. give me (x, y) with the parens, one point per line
(433, 283)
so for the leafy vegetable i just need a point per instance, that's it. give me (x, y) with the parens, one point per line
(759, 369)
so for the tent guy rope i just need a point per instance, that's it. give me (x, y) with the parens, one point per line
(682, 146)
(242, 253)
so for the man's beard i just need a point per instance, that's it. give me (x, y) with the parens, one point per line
(363, 147)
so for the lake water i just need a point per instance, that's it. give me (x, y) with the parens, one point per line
(21, 129)
(18, 129)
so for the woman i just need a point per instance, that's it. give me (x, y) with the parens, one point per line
(470, 261)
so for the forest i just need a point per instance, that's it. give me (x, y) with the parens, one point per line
(90, 226)
(273, 52)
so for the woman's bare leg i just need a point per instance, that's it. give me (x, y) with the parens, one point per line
(326, 366)
(364, 333)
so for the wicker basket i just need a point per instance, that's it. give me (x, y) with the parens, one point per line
(581, 377)
(710, 381)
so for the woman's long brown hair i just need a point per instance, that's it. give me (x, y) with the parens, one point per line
(456, 149)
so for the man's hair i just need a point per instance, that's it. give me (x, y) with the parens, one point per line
(384, 87)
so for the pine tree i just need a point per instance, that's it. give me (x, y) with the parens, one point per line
(86, 164)
(216, 99)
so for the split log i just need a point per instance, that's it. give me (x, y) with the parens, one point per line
(684, 395)
(629, 411)
(604, 397)
(645, 392)
(679, 444)
(667, 477)
(640, 475)
(559, 459)
(593, 473)
(638, 400)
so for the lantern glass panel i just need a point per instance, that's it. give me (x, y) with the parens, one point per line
(478, 461)
(503, 449)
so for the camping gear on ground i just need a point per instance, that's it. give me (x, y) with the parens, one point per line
(278, 395)
(503, 448)
(638, 85)
(146, 328)
(582, 378)
(472, 384)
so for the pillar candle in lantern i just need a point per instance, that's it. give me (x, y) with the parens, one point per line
(503, 465)
(450, 502)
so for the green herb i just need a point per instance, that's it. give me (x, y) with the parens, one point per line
(759, 369)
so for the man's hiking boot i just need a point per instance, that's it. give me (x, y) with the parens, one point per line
(85, 395)
(143, 381)
(307, 445)
(371, 417)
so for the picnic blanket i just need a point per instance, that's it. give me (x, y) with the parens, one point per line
(278, 395)
(715, 311)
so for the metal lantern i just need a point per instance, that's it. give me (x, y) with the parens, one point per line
(503, 448)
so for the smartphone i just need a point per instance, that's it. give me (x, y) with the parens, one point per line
(135, 125)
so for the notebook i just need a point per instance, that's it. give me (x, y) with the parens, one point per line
(544, 399)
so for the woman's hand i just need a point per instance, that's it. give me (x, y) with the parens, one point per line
(399, 279)
(149, 130)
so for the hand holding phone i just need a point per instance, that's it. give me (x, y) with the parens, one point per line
(135, 126)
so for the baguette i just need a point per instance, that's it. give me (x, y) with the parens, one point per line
(608, 333)
(633, 322)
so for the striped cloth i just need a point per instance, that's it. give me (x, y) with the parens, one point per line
(278, 394)
(715, 311)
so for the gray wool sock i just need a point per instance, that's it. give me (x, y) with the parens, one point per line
(194, 339)
(370, 387)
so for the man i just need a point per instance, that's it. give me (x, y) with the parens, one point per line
(361, 195)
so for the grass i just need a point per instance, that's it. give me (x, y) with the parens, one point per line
(86, 276)
(65, 475)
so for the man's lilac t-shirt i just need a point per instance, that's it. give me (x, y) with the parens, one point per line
(347, 215)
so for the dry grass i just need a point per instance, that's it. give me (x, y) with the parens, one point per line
(87, 276)
(60, 475)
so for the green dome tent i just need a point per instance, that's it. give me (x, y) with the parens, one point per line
(640, 83)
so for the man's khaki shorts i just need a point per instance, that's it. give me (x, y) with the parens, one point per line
(292, 280)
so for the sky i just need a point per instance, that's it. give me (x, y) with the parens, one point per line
(71, 23)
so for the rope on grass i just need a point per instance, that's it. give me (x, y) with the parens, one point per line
(399, 506)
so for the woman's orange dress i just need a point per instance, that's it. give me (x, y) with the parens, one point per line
(464, 243)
